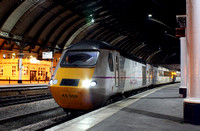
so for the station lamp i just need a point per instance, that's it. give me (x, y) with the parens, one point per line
(92, 20)
(149, 15)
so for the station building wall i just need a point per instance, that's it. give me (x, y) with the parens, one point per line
(32, 69)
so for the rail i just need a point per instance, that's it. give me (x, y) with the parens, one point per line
(16, 94)
(10, 81)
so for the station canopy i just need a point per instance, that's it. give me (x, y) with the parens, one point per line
(141, 28)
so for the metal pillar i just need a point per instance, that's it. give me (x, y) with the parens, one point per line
(51, 67)
(184, 66)
(192, 102)
(20, 67)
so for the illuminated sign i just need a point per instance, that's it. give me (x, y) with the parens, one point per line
(47, 55)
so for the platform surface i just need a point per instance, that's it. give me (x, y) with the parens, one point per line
(159, 109)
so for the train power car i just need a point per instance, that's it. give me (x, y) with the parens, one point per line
(91, 72)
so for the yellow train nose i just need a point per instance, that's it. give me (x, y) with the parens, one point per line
(71, 90)
(72, 98)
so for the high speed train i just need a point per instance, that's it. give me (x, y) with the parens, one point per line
(90, 72)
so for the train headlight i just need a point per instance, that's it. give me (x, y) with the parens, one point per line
(88, 83)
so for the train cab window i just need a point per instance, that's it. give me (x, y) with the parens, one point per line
(110, 62)
(79, 59)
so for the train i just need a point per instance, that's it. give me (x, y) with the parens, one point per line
(89, 73)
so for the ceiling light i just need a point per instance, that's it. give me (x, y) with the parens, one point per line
(150, 15)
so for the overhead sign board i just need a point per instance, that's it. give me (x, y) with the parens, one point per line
(47, 55)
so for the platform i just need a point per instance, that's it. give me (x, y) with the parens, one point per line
(154, 110)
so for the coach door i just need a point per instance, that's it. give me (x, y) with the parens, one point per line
(143, 75)
(116, 70)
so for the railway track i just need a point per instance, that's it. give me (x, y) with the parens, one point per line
(36, 119)
(23, 94)
(41, 119)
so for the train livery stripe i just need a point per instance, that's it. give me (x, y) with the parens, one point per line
(119, 77)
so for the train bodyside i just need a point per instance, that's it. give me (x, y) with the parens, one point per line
(116, 74)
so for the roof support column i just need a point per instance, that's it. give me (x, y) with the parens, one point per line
(192, 102)
(184, 67)
(20, 67)
(21, 54)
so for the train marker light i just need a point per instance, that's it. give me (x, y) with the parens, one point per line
(93, 83)
(55, 81)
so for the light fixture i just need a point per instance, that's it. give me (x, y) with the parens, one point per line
(34, 60)
(149, 15)
(88, 83)
(92, 20)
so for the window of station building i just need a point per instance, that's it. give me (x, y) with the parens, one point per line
(25, 71)
(1, 70)
(41, 71)
(8, 56)
(110, 62)
(13, 70)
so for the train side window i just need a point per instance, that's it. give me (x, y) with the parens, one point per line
(161, 73)
(110, 62)
(166, 73)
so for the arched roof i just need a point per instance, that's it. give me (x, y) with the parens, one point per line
(142, 28)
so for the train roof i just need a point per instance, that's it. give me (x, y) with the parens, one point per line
(95, 44)
(91, 44)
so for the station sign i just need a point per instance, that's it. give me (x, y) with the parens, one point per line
(47, 55)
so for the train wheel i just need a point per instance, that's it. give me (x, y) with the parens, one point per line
(109, 101)
(66, 111)
(71, 113)
(74, 113)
